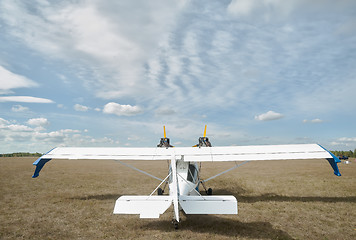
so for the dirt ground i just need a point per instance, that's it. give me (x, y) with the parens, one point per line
(74, 199)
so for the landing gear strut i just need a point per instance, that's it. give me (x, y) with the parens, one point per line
(208, 191)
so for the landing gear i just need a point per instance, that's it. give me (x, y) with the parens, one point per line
(208, 191)
(175, 224)
(160, 191)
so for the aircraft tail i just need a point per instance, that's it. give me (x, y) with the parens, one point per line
(208, 204)
(153, 206)
(146, 206)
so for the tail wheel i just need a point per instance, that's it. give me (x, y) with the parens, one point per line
(175, 224)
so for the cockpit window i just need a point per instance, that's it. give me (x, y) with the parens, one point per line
(192, 172)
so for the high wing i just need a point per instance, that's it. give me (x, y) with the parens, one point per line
(262, 152)
(255, 153)
(103, 153)
(189, 154)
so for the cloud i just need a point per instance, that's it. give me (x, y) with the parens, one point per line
(261, 8)
(19, 108)
(20, 137)
(165, 111)
(269, 116)
(9, 80)
(70, 131)
(179, 51)
(3, 122)
(80, 108)
(19, 128)
(344, 143)
(200, 58)
(241, 7)
(25, 99)
(316, 120)
(121, 38)
(347, 139)
(38, 122)
(121, 110)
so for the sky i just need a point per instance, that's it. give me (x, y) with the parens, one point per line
(89, 73)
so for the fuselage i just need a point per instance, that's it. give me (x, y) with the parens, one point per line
(187, 178)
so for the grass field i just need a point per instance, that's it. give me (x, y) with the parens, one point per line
(300, 199)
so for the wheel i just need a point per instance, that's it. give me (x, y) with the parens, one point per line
(159, 191)
(175, 223)
(210, 191)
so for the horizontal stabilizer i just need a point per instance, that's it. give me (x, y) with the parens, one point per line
(146, 206)
(208, 204)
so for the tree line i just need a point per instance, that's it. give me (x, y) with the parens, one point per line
(350, 154)
(21, 154)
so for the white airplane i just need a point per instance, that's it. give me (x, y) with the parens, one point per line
(183, 177)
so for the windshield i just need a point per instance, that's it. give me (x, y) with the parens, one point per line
(192, 173)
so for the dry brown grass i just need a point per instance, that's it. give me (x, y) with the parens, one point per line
(276, 200)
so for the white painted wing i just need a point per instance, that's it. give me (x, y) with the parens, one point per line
(255, 153)
(212, 154)
(109, 153)
(190, 154)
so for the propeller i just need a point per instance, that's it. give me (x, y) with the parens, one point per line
(203, 141)
(164, 142)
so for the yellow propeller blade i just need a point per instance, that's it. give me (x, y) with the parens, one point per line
(164, 129)
(205, 131)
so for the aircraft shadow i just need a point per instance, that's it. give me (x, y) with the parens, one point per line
(268, 197)
(272, 197)
(98, 197)
(222, 226)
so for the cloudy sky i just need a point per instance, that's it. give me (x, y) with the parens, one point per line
(112, 73)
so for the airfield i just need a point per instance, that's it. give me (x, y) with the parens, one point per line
(74, 199)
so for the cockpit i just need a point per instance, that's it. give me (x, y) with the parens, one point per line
(189, 171)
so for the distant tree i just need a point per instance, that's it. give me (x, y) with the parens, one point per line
(21, 154)
(349, 153)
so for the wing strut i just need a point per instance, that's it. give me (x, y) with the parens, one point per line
(160, 184)
(228, 170)
(139, 170)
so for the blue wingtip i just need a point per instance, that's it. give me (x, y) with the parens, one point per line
(39, 163)
(333, 162)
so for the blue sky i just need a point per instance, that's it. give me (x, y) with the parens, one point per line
(112, 73)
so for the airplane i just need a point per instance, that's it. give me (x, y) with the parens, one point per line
(183, 177)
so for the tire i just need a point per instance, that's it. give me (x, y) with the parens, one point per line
(210, 191)
(159, 191)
